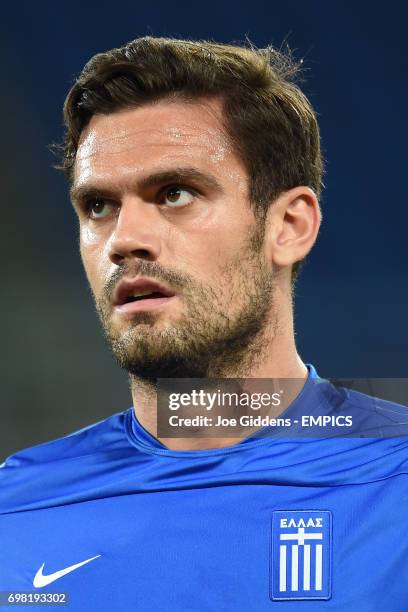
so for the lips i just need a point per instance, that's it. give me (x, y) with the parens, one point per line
(132, 295)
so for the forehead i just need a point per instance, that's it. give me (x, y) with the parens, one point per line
(137, 141)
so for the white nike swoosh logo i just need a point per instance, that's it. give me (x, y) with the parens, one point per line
(40, 580)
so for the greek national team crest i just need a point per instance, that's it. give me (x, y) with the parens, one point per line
(301, 554)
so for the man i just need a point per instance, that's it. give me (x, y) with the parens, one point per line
(195, 171)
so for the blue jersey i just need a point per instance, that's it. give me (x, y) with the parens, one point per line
(117, 521)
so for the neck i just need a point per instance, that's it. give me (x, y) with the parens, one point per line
(276, 357)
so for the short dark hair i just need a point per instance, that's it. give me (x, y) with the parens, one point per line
(270, 122)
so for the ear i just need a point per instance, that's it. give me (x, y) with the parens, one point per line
(292, 226)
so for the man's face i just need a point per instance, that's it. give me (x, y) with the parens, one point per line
(161, 196)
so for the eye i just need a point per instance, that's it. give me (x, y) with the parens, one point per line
(99, 208)
(177, 196)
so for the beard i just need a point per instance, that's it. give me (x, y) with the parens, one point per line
(221, 332)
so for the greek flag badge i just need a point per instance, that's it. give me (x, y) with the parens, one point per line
(301, 554)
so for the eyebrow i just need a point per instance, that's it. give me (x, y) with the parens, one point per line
(173, 175)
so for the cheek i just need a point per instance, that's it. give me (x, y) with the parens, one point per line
(94, 258)
(218, 231)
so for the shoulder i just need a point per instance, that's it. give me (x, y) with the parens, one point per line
(372, 417)
(45, 473)
(354, 437)
(84, 441)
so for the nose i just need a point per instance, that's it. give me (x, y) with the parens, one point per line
(135, 234)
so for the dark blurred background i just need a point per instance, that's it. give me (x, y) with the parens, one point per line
(57, 374)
